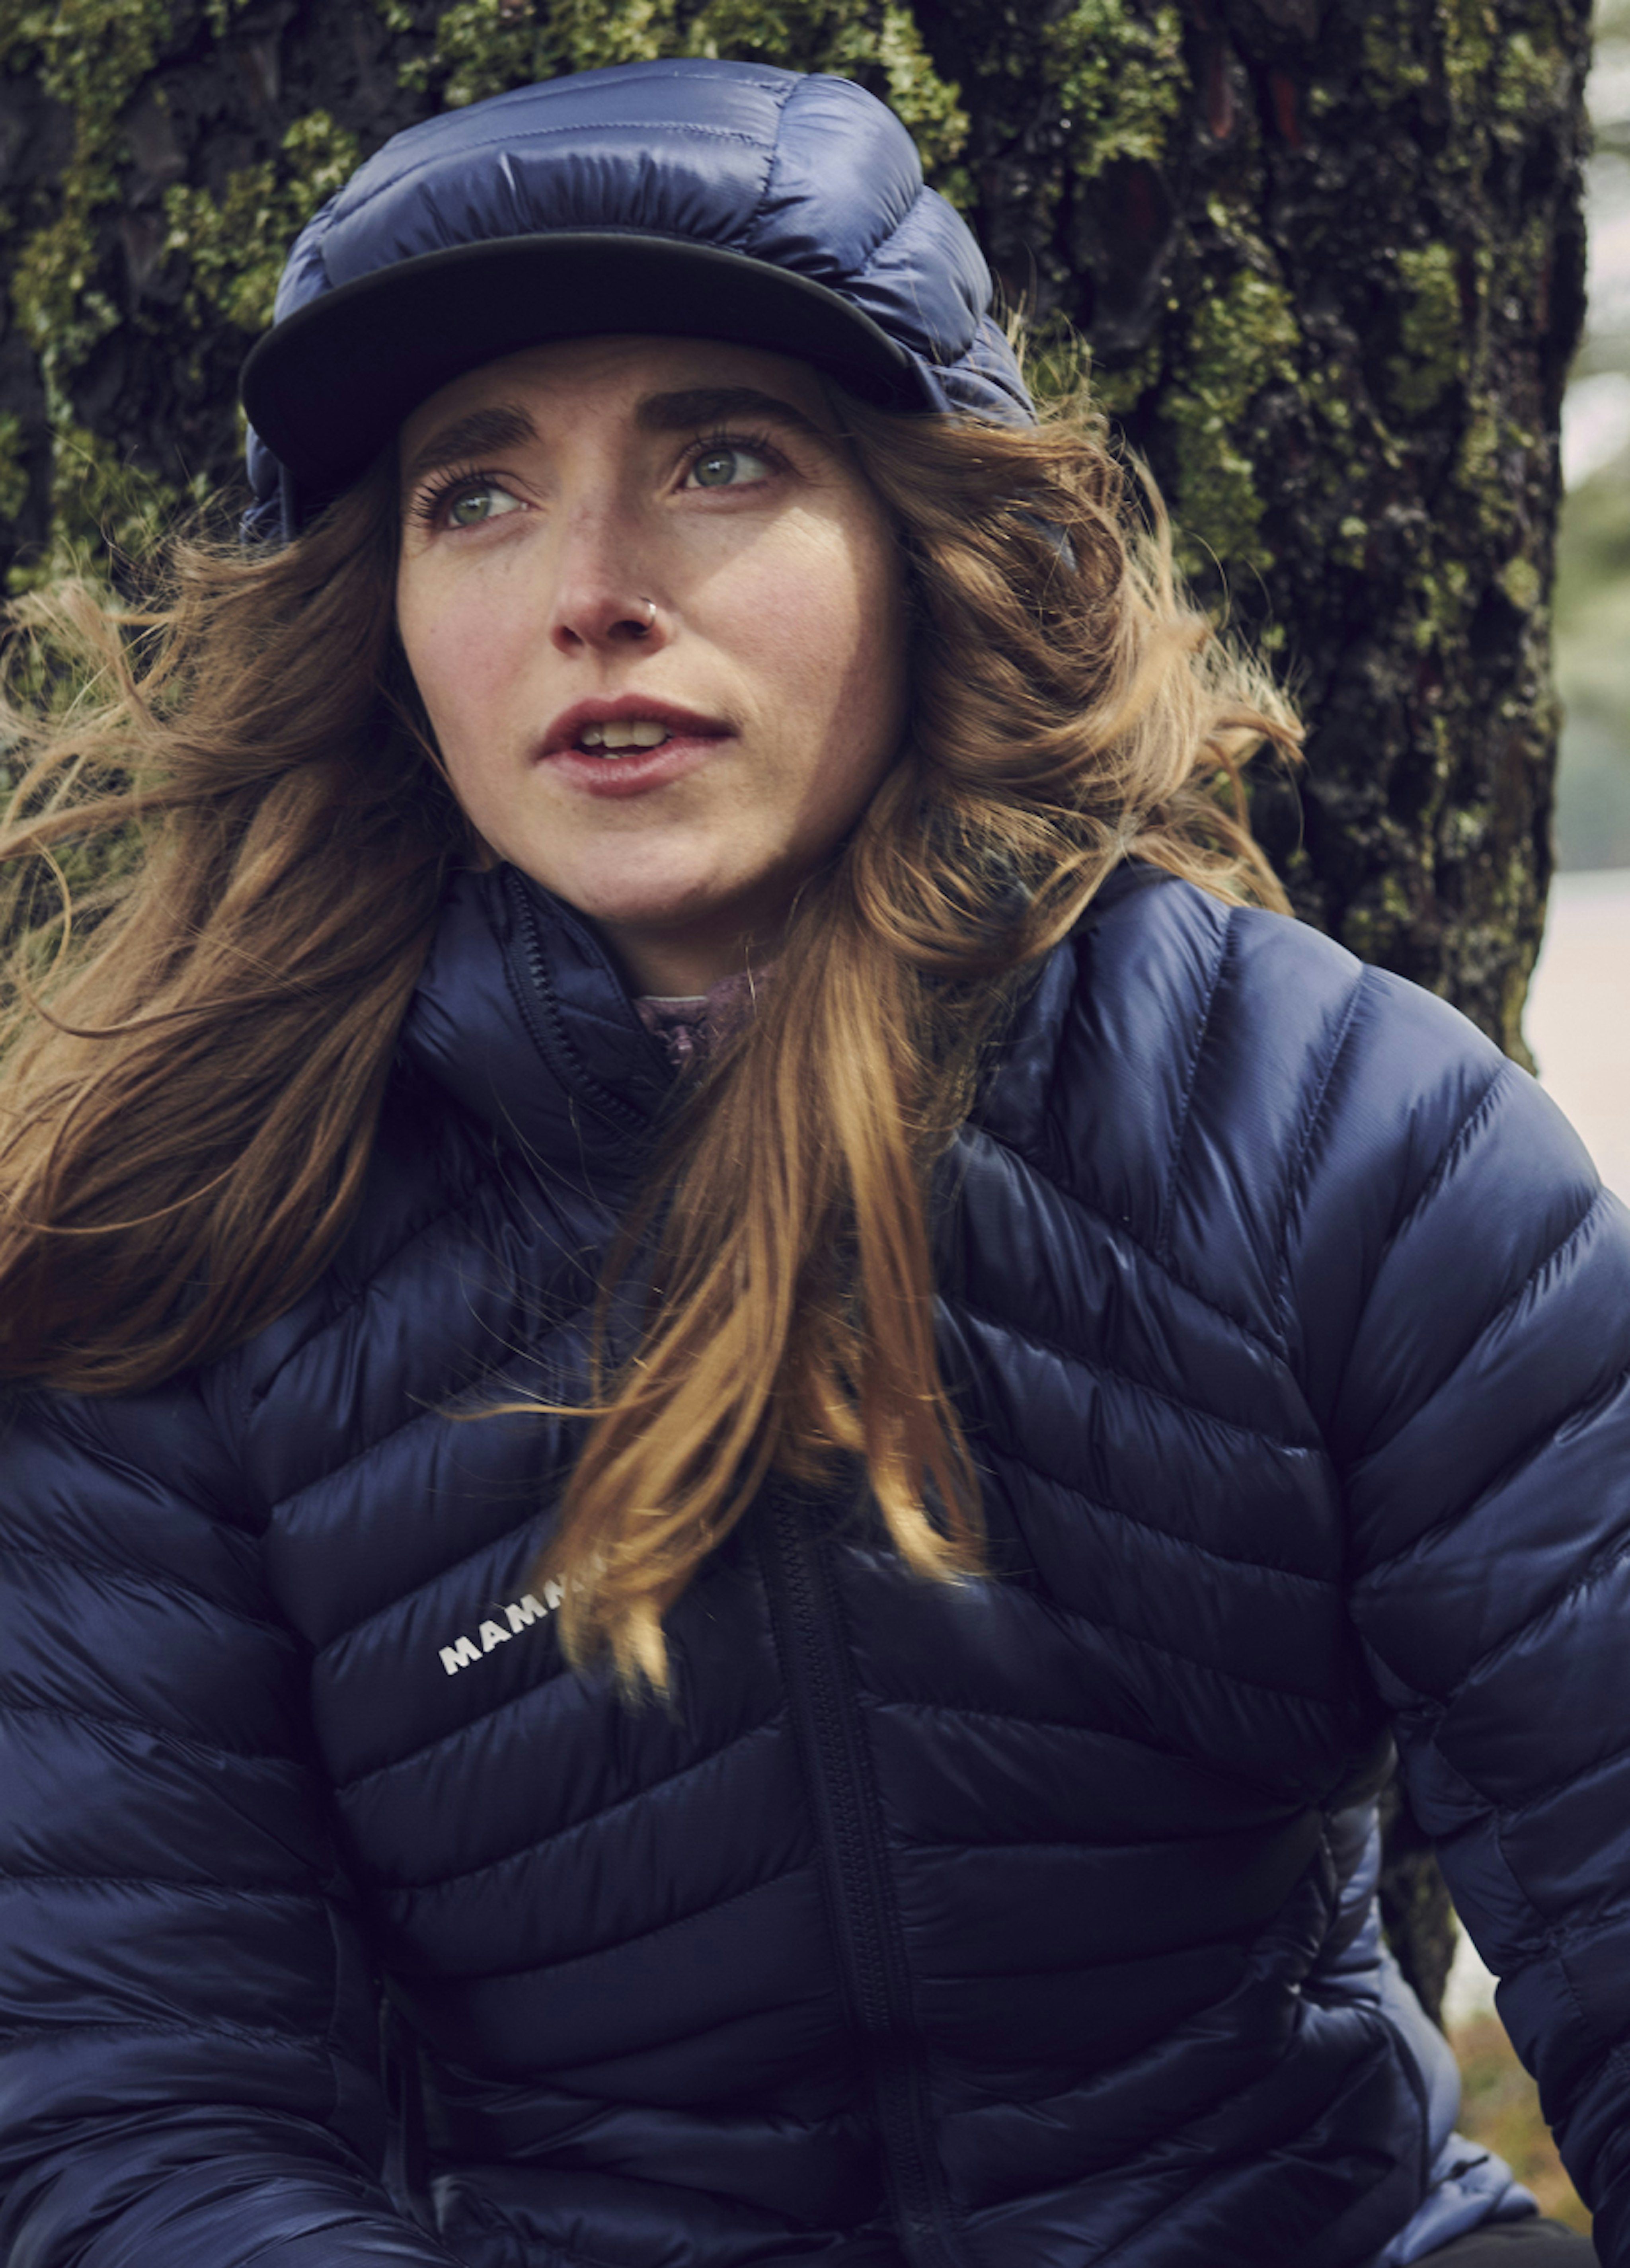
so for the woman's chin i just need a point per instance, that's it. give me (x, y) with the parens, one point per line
(668, 900)
(675, 939)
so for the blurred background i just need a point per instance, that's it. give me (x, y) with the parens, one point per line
(1578, 1021)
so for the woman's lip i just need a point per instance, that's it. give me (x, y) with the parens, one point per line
(639, 770)
(627, 708)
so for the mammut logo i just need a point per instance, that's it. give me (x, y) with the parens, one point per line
(518, 1614)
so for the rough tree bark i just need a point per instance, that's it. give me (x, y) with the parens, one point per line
(1327, 254)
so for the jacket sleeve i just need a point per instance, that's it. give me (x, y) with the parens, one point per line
(1470, 1341)
(187, 2023)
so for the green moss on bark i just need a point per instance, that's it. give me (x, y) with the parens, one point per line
(89, 55)
(1431, 330)
(1240, 339)
(483, 48)
(1121, 81)
(103, 509)
(93, 56)
(1395, 67)
(13, 467)
(234, 246)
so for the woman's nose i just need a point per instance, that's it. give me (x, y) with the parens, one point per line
(601, 603)
(609, 620)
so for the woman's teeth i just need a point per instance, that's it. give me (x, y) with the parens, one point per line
(622, 738)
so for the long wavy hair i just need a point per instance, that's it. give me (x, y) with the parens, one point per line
(195, 1053)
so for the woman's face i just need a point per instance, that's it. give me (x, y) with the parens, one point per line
(656, 617)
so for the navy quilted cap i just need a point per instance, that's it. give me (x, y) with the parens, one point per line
(686, 198)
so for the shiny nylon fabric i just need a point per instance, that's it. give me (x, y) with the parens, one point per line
(1016, 1925)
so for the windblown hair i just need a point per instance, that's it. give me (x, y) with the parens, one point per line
(193, 1075)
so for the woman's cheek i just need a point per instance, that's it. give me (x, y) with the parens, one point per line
(458, 655)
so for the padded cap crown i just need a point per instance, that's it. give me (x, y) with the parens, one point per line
(681, 199)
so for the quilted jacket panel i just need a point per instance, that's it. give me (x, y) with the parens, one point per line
(1019, 1925)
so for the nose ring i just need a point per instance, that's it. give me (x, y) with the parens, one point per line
(644, 629)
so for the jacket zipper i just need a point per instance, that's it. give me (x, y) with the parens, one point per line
(541, 1000)
(859, 1894)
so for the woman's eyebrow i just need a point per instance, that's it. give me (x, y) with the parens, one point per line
(505, 425)
(718, 405)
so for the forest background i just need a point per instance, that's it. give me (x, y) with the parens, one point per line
(1327, 258)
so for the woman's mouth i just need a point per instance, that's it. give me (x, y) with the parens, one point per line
(623, 747)
(626, 738)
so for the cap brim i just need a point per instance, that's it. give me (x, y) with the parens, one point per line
(328, 386)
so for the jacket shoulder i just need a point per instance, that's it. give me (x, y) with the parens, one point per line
(1231, 1088)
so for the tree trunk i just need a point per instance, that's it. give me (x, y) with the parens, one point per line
(1327, 254)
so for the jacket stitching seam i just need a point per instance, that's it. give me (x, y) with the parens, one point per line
(1122, 1232)
(149, 1730)
(1548, 1929)
(334, 2031)
(646, 1937)
(143, 1579)
(556, 1043)
(1164, 1261)
(1202, 1031)
(57, 1414)
(1119, 1227)
(1550, 1933)
(894, 1701)
(1385, 2041)
(1187, 1544)
(1604, 1564)
(442, 1411)
(427, 1586)
(1528, 1449)
(342, 2218)
(309, 1898)
(1084, 1966)
(1117, 1633)
(573, 1827)
(1514, 1813)
(1302, 1166)
(491, 2220)
(511, 1704)
(1519, 1461)
(259, 2034)
(485, 1175)
(1457, 1141)
(1566, 1935)
(1084, 1361)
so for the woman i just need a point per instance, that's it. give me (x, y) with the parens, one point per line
(690, 1006)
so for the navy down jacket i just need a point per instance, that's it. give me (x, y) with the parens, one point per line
(1018, 1924)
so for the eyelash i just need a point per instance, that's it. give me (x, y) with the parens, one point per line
(432, 502)
(433, 499)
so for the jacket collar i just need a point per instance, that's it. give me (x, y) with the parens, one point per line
(521, 1015)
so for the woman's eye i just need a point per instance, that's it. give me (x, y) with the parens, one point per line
(471, 506)
(725, 468)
